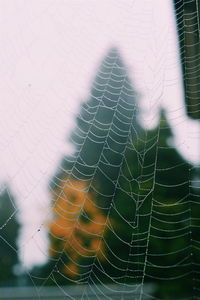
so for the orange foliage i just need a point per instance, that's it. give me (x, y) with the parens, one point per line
(78, 223)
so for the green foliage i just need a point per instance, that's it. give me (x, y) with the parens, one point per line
(8, 235)
(154, 211)
(103, 125)
(143, 187)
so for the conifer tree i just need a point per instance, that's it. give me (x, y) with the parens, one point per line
(106, 124)
(9, 228)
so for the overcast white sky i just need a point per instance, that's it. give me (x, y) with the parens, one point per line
(50, 50)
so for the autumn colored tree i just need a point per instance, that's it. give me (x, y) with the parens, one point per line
(76, 228)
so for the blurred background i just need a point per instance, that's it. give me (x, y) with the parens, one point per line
(99, 143)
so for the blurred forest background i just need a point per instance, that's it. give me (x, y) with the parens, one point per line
(116, 160)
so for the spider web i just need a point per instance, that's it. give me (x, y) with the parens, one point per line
(125, 205)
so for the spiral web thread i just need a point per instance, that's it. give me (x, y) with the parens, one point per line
(131, 182)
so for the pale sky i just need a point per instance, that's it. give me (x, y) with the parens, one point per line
(50, 50)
